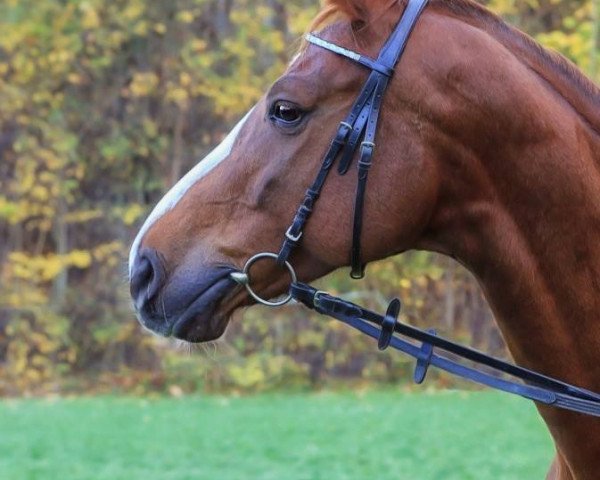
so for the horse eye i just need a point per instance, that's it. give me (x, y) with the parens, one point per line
(286, 113)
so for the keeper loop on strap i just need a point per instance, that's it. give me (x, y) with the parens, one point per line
(423, 360)
(365, 162)
(317, 298)
(388, 325)
(305, 209)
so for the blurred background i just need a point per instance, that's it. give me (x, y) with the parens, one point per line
(103, 106)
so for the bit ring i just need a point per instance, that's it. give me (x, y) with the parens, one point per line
(243, 278)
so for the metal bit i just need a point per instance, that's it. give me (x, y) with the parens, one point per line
(240, 277)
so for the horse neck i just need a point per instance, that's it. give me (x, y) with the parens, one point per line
(520, 207)
(531, 236)
(534, 247)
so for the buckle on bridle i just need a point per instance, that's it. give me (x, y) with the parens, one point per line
(290, 236)
(366, 144)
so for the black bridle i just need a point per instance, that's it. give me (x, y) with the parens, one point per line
(361, 123)
(361, 126)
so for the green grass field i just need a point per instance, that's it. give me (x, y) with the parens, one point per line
(378, 435)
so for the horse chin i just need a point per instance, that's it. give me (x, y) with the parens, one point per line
(204, 320)
(199, 329)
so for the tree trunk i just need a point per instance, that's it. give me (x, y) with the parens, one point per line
(222, 22)
(178, 147)
(59, 284)
(449, 294)
(595, 39)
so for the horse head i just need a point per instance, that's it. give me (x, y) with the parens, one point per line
(239, 200)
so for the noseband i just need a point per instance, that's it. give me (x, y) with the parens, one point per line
(357, 132)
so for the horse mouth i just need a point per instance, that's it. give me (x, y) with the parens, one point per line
(203, 320)
(196, 307)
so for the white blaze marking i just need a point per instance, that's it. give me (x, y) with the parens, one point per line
(173, 196)
(294, 59)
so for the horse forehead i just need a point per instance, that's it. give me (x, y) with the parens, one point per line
(314, 75)
(178, 191)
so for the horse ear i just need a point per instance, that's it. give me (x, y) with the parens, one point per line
(358, 10)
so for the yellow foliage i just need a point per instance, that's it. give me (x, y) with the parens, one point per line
(106, 250)
(134, 9)
(141, 28)
(90, 18)
(74, 78)
(129, 214)
(198, 45)
(150, 127)
(43, 268)
(79, 258)
(185, 79)
(143, 84)
(184, 16)
(82, 216)
(177, 95)
(132, 213)
(250, 375)
(39, 192)
(160, 28)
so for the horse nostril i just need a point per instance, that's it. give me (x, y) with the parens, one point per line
(147, 277)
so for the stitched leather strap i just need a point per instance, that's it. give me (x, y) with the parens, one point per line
(295, 230)
(389, 56)
(360, 123)
(362, 59)
(538, 387)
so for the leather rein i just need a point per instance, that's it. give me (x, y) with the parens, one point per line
(360, 125)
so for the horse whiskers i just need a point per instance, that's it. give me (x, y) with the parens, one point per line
(210, 348)
(182, 345)
(164, 310)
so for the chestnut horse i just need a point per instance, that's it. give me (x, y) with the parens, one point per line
(488, 150)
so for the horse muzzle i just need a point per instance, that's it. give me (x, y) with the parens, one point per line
(185, 305)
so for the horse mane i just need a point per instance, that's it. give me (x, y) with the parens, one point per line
(559, 72)
(353, 10)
